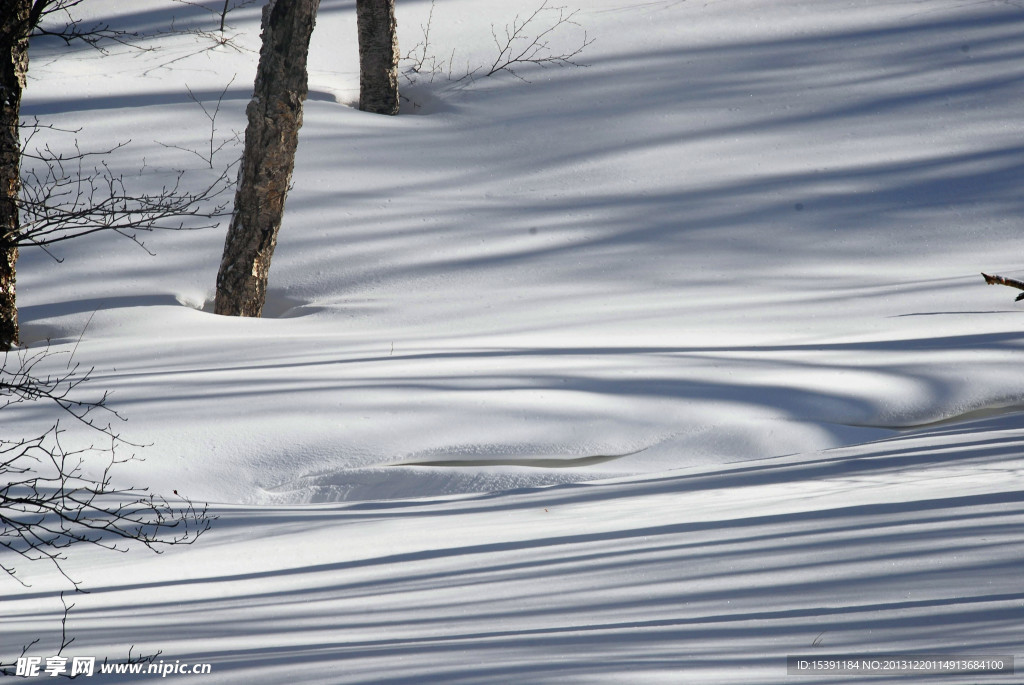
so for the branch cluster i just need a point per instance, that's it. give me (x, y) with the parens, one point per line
(48, 502)
(53, 496)
(213, 145)
(63, 196)
(220, 11)
(217, 38)
(55, 19)
(20, 383)
(420, 59)
(526, 41)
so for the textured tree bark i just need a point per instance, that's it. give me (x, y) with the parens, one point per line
(378, 56)
(268, 158)
(14, 30)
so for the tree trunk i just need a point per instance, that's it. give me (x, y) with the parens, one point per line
(271, 138)
(14, 30)
(378, 56)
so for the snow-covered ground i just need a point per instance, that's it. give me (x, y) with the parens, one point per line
(659, 369)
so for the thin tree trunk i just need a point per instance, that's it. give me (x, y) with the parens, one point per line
(271, 138)
(378, 56)
(14, 30)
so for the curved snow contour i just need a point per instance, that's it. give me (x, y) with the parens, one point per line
(549, 463)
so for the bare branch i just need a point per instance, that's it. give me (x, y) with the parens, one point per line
(210, 40)
(63, 198)
(213, 147)
(529, 41)
(19, 383)
(420, 57)
(55, 19)
(518, 47)
(999, 280)
(222, 13)
(53, 496)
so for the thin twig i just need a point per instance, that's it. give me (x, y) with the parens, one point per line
(1011, 282)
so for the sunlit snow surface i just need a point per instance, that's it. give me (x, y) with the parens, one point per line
(653, 370)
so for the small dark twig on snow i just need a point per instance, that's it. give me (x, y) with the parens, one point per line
(1012, 282)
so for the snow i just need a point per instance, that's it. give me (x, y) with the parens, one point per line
(701, 321)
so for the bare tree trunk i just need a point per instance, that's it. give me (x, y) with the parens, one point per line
(271, 138)
(14, 30)
(378, 56)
